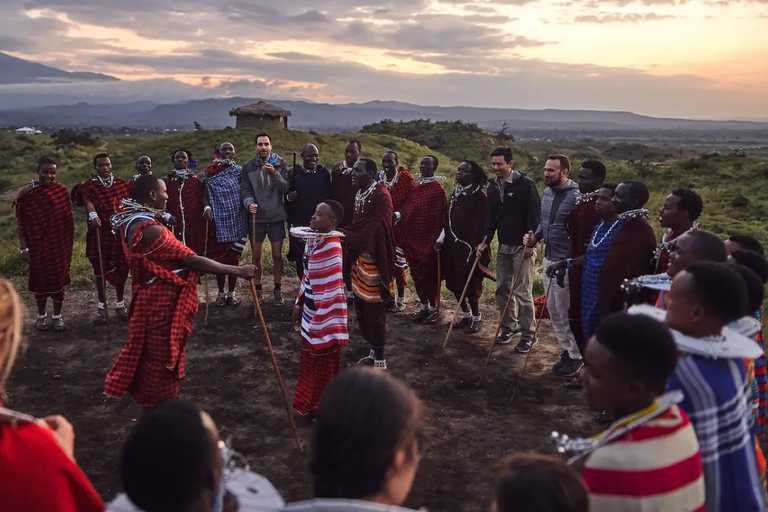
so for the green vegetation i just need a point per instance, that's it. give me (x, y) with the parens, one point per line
(733, 184)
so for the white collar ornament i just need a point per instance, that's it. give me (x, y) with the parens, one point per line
(585, 198)
(363, 196)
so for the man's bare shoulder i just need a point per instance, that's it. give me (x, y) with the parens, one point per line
(23, 190)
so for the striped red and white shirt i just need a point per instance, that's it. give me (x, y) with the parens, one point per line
(654, 467)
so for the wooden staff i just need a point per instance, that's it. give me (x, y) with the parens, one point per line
(256, 305)
(461, 300)
(535, 333)
(279, 378)
(501, 319)
(439, 288)
(103, 285)
(205, 277)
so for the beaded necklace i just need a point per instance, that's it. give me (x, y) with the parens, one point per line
(585, 198)
(106, 183)
(628, 215)
(383, 179)
(363, 196)
(668, 245)
(423, 180)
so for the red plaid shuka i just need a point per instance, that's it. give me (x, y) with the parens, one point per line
(107, 202)
(399, 191)
(185, 203)
(423, 216)
(44, 217)
(161, 316)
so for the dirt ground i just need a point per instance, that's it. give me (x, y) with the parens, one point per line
(229, 373)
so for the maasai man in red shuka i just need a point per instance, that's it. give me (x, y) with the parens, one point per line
(343, 192)
(164, 277)
(226, 217)
(580, 223)
(462, 233)
(102, 196)
(321, 306)
(423, 216)
(185, 201)
(46, 234)
(371, 246)
(677, 215)
(399, 182)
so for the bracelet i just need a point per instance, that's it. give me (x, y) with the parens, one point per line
(24, 250)
(92, 215)
(207, 208)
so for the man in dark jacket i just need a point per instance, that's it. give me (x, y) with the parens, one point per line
(556, 203)
(512, 210)
(263, 183)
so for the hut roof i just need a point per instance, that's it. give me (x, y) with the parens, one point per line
(259, 109)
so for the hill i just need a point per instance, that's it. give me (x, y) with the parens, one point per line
(19, 71)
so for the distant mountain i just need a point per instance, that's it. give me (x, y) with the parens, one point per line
(548, 123)
(19, 71)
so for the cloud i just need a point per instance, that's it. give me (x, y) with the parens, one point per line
(615, 17)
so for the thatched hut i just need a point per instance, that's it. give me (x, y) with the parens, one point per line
(261, 115)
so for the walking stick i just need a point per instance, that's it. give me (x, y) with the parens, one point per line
(439, 288)
(461, 300)
(205, 277)
(535, 333)
(501, 319)
(279, 378)
(256, 306)
(103, 285)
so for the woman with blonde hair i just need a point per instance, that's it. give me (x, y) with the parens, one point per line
(37, 465)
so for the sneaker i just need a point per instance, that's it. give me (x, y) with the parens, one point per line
(42, 324)
(420, 315)
(505, 337)
(432, 316)
(221, 301)
(400, 304)
(524, 346)
(279, 301)
(232, 301)
(563, 356)
(570, 367)
(476, 323)
(369, 360)
(59, 325)
(574, 382)
(380, 364)
(462, 322)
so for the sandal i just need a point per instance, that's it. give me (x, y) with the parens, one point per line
(475, 325)
(42, 324)
(232, 301)
(221, 301)
(59, 325)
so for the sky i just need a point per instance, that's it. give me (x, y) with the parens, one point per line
(668, 58)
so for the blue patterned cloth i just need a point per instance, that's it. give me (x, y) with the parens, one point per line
(594, 259)
(230, 216)
(716, 401)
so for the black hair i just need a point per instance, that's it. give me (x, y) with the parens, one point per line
(183, 149)
(46, 160)
(638, 191)
(708, 246)
(749, 243)
(755, 288)
(262, 134)
(645, 348)
(481, 177)
(597, 168)
(530, 482)
(355, 142)
(565, 164)
(370, 166)
(391, 152)
(97, 157)
(752, 261)
(689, 202)
(336, 207)
(720, 290)
(142, 186)
(364, 417)
(167, 457)
(610, 186)
(434, 160)
(505, 152)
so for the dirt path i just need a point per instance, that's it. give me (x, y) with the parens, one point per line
(230, 375)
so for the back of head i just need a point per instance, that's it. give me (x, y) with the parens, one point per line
(755, 289)
(505, 152)
(364, 417)
(11, 322)
(748, 243)
(639, 192)
(720, 289)
(753, 261)
(597, 168)
(644, 347)
(167, 458)
(537, 483)
(689, 202)
(142, 186)
(708, 246)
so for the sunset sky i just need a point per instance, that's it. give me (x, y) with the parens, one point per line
(697, 59)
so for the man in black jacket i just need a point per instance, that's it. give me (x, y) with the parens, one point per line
(513, 209)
